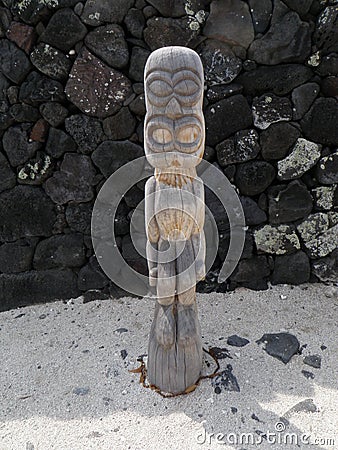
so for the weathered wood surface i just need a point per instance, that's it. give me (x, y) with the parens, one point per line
(174, 209)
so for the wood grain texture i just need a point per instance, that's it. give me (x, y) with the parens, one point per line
(174, 137)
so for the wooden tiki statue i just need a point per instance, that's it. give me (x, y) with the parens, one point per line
(174, 210)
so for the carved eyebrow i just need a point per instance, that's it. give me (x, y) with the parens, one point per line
(173, 73)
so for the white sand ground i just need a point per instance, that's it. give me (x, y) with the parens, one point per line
(56, 348)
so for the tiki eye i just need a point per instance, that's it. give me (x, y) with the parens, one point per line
(160, 88)
(162, 136)
(186, 87)
(188, 134)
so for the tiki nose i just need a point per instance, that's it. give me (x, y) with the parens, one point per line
(173, 108)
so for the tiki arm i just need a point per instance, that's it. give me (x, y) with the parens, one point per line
(152, 230)
(197, 237)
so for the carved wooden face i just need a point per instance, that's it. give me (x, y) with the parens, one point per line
(174, 130)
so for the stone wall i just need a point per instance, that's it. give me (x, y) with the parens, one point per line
(72, 107)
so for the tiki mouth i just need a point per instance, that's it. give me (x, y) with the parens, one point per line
(175, 163)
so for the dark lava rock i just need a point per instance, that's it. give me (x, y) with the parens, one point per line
(226, 381)
(124, 354)
(302, 7)
(110, 155)
(24, 113)
(226, 117)
(326, 35)
(224, 241)
(237, 341)
(313, 361)
(254, 215)
(254, 177)
(280, 79)
(138, 61)
(108, 43)
(94, 294)
(97, 12)
(135, 22)
(320, 123)
(302, 98)
(328, 65)
(91, 276)
(30, 11)
(39, 286)
(261, 12)
(327, 169)
(39, 89)
(289, 203)
(36, 170)
(86, 131)
(252, 272)
(162, 32)
(219, 353)
(53, 113)
(219, 92)
(308, 375)
(326, 269)
(59, 142)
(244, 147)
(120, 126)
(138, 106)
(25, 211)
(60, 251)
(291, 269)
(95, 88)
(74, 180)
(220, 63)
(17, 145)
(269, 109)
(79, 217)
(133, 258)
(280, 345)
(5, 21)
(22, 35)
(51, 62)
(277, 140)
(7, 176)
(230, 21)
(14, 63)
(64, 30)
(329, 86)
(287, 41)
(17, 256)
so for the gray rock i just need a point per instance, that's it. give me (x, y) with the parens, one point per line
(97, 12)
(291, 269)
(269, 109)
(325, 197)
(226, 381)
(86, 131)
(254, 177)
(277, 140)
(230, 21)
(302, 98)
(81, 391)
(303, 156)
(120, 126)
(289, 203)
(135, 22)
(326, 269)
(313, 225)
(36, 170)
(320, 123)
(7, 176)
(237, 341)
(14, 63)
(17, 256)
(60, 251)
(51, 62)
(226, 117)
(39, 286)
(280, 79)
(110, 155)
(162, 32)
(108, 43)
(59, 142)
(277, 240)
(287, 41)
(280, 345)
(74, 180)
(261, 12)
(95, 88)
(64, 30)
(220, 63)
(25, 211)
(323, 244)
(327, 169)
(313, 361)
(138, 61)
(54, 113)
(38, 89)
(17, 145)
